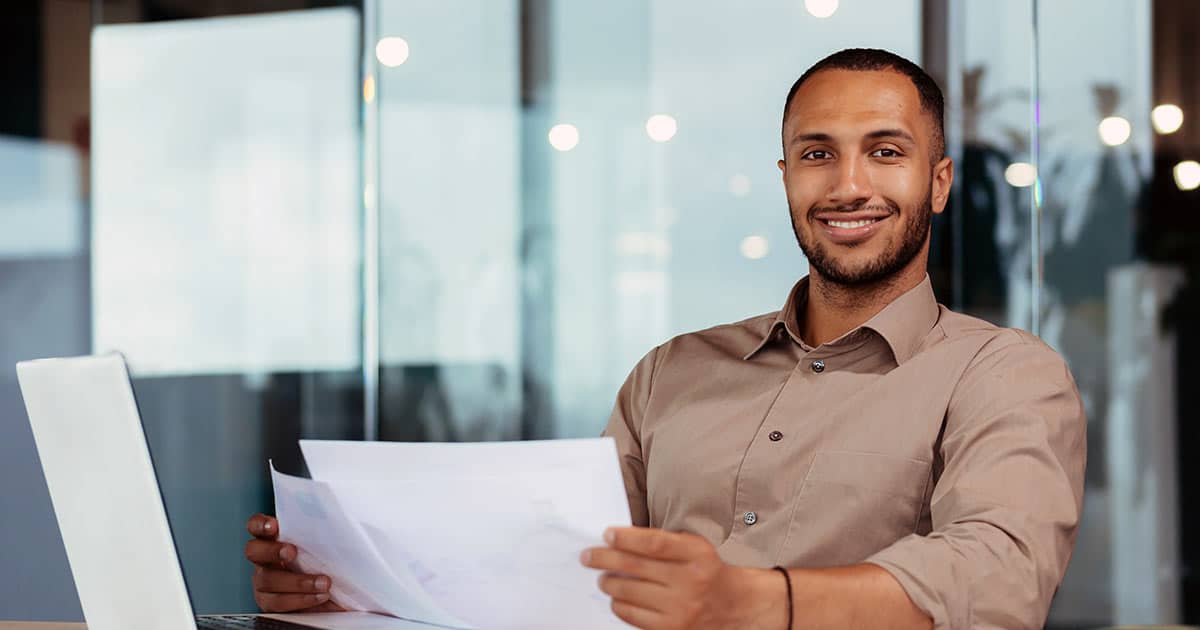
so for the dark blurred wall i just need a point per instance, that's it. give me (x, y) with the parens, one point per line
(1168, 231)
(45, 312)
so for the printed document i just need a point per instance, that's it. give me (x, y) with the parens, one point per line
(484, 536)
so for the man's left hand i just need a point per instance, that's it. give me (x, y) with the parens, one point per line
(662, 580)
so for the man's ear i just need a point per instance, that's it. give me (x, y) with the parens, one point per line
(782, 166)
(943, 181)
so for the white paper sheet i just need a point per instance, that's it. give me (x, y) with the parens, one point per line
(352, 621)
(489, 534)
(332, 459)
(330, 542)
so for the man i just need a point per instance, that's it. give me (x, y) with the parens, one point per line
(909, 466)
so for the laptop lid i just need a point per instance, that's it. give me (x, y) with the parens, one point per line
(106, 497)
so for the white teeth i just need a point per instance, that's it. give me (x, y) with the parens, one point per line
(851, 224)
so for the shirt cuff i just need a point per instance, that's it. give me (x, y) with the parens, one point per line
(930, 588)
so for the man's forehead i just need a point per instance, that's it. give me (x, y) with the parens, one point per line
(846, 98)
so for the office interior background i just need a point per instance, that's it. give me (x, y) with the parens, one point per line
(461, 220)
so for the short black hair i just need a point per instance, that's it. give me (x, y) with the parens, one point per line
(873, 59)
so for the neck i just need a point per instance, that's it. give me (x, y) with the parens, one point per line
(835, 309)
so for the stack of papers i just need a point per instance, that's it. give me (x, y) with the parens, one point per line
(484, 536)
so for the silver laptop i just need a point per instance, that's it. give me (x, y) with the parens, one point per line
(106, 499)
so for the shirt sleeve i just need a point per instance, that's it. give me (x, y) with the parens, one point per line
(1006, 506)
(625, 426)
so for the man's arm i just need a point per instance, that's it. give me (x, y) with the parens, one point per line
(625, 426)
(663, 580)
(1005, 513)
(859, 596)
(1006, 506)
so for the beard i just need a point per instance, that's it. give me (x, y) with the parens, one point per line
(883, 267)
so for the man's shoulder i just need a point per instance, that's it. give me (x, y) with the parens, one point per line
(989, 341)
(1004, 371)
(731, 339)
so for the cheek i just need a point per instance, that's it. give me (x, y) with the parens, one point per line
(903, 186)
(803, 191)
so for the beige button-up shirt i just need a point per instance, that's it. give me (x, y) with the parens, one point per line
(944, 449)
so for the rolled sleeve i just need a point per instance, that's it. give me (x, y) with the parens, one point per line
(625, 426)
(1006, 505)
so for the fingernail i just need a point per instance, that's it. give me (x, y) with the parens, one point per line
(287, 554)
(268, 526)
(322, 583)
(320, 597)
(586, 556)
(610, 535)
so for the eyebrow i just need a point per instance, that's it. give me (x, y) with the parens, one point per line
(874, 135)
(812, 137)
(891, 133)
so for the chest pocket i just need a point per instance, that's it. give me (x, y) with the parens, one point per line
(851, 505)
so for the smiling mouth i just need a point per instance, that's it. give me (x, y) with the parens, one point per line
(851, 230)
(850, 224)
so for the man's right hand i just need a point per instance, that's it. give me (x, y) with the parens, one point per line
(277, 588)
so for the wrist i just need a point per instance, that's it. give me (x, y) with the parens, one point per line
(760, 596)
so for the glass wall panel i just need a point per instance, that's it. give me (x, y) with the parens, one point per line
(44, 275)
(561, 186)
(1094, 155)
(989, 246)
(449, 147)
(226, 250)
(623, 191)
(566, 185)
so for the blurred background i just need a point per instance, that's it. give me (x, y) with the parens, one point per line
(461, 220)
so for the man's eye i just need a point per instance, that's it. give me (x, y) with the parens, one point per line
(815, 155)
(885, 153)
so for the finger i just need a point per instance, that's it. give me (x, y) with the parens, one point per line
(268, 552)
(290, 602)
(629, 564)
(263, 526)
(654, 543)
(280, 581)
(329, 606)
(643, 594)
(637, 616)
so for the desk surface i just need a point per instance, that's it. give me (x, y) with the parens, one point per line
(41, 625)
(61, 625)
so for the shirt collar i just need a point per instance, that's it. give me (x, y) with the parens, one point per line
(786, 320)
(903, 324)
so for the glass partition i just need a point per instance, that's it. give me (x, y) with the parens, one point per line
(570, 184)
(226, 255)
(563, 184)
(466, 220)
(1095, 154)
(44, 282)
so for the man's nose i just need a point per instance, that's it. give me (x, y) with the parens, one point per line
(852, 185)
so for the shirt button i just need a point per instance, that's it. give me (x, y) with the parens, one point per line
(775, 436)
(750, 518)
(818, 366)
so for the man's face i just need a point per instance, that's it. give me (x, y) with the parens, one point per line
(857, 169)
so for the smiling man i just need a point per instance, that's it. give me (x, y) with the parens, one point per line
(862, 458)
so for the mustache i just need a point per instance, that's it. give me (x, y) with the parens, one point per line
(887, 206)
